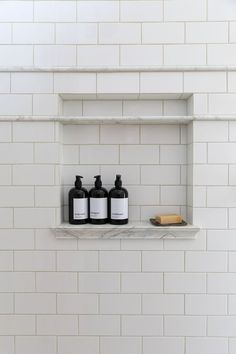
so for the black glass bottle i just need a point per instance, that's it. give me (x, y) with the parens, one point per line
(98, 203)
(78, 203)
(118, 203)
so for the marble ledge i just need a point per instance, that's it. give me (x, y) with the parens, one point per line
(118, 119)
(100, 69)
(142, 230)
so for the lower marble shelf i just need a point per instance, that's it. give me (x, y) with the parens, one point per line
(139, 230)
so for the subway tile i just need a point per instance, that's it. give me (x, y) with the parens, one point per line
(142, 107)
(232, 35)
(167, 345)
(54, 282)
(34, 261)
(119, 134)
(221, 326)
(120, 261)
(93, 11)
(76, 33)
(232, 131)
(54, 55)
(15, 104)
(173, 195)
(221, 153)
(31, 83)
(211, 218)
(34, 218)
(35, 303)
(142, 325)
(99, 154)
(219, 11)
(5, 132)
(206, 345)
(160, 134)
(162, 261)
(98, 244)
(17, 325)
(74, 83)
(55, 11)
(6, 261)
(45, 240)
(33, 132)
(139, 154)
(98, 55)
(102, 108)
(141, 55)
(99, 282)
(12, 239)
(198, 244)
(17, 282)
(47, 196)
(163, 175)
(232, 304)
(164, 82)
(117, 345)
(232, 345)
(142, 282)
(147, 195)
(205, 82)
(185, 10)
(72, 108)
(206, 261)
(232, 262)
(99, 325)
(163, 304)
(13, 11)
(14, 55)
(81, 134)
(78, 344)
(222, 240)
(33, 175)
(232, 213)
(70, 155)
(176, 108)
(6, 305)
(16, 196)
(45, 105)
(130, 174)
(5, 33)
(210, 131)
(33, 33)
(173, 154)
(221, 283)
(141, 11)
(221, 54)
(47, 153)
(36, 344)
(57, 325)
(117, 83)
(193, 326)
(77, 303)
(161, 33)
(207, 32)
(120, 304)
(5, 83)
(120, 33)
(187, 54)
(83, 261)
(185, 283)
(206, 304)
(210, 174)
(6, 218)
(218, 196)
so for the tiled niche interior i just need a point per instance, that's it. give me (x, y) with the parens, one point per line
(152, 160)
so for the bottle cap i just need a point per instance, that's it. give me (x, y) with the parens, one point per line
(98, 181)
(78, 182)
(118, 181)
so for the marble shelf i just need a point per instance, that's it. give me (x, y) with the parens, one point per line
(138, 230)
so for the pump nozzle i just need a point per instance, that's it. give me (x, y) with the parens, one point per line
(78, 182)
(98, 181)
(118, 181)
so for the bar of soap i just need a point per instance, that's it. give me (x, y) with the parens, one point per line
(169, 219)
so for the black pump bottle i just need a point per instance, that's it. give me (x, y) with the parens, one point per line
(118, 203)
(98, 203)
(78, 203)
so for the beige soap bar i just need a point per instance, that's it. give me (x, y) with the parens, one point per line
(169, 219)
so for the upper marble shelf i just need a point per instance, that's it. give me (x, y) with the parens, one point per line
(118, 68)
(119, 119)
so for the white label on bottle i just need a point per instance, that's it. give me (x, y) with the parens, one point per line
(119, 208)
(98, 208)
(80, 207)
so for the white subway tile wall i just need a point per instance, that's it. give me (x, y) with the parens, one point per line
(117, 296)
